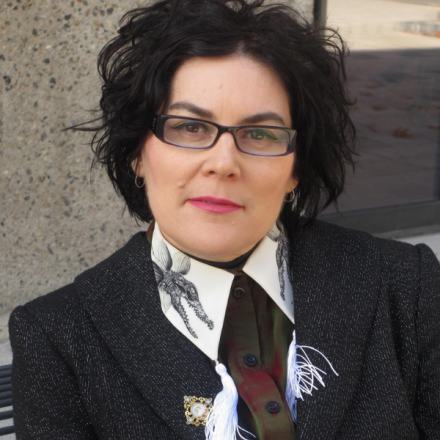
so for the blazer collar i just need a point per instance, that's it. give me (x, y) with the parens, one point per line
(122, 299)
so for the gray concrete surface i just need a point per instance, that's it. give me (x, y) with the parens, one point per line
(53, 222)
(5, 353)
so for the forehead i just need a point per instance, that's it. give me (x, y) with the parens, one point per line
(230, 88)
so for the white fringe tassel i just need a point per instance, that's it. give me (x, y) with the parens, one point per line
(301, 375)
(222, 420)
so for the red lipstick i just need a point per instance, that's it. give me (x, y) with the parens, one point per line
(215, 205)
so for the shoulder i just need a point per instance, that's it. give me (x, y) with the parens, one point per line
(58, 309)
(401, 268)
(324, 234)
(395, 256)
(50, 308)
(358, 255)
(325, 237)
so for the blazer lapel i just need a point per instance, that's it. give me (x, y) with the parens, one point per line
(122, 298)
(327, 269)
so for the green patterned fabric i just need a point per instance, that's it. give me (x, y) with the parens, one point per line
(255, 325)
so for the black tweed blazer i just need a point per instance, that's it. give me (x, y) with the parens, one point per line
(98, 359)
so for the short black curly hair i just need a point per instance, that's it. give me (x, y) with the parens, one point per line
(137, 67)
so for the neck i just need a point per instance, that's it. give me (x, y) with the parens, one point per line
(233, 264)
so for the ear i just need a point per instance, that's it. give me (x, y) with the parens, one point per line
(137, 167)
(291, 184)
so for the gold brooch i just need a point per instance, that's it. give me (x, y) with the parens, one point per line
(196, 409)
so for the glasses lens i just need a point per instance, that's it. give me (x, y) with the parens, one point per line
(189, 133)
(263, 141)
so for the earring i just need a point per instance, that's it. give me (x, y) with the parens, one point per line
(291, 195)
(137, 183)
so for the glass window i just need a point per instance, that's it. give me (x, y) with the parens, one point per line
(394, 75)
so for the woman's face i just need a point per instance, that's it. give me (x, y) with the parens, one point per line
(183, 185)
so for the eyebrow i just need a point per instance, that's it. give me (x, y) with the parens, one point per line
(262, 117)
(184, 105)
(203, 113)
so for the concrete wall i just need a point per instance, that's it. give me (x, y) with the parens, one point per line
(54, 223)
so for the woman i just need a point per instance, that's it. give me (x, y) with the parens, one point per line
(227, 124)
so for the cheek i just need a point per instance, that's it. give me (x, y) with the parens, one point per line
(156, 164)
(277, 178)
(151, 165)
(154, 170)
(168, 169)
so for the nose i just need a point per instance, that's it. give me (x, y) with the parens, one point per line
(223, 158)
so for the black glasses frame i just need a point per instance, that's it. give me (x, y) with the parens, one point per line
(158, 124)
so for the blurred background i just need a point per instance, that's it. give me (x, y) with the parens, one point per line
(56, 221)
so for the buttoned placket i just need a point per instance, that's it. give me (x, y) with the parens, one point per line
(262, 405)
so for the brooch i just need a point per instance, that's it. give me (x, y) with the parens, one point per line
(196, 409)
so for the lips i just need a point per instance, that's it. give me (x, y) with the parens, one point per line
(214, 204)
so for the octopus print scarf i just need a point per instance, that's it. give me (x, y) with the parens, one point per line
(194, 298)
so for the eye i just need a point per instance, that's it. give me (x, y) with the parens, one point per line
(260, 134)
(193, 127)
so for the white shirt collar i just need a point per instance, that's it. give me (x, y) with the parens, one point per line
(194, 295)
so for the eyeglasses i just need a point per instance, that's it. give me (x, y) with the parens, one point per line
(258, 140)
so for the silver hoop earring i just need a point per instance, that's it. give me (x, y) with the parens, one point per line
(137, 183)
(291, 197)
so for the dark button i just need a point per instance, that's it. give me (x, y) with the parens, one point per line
(238, 293)
(273, 407)
(250, 360)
